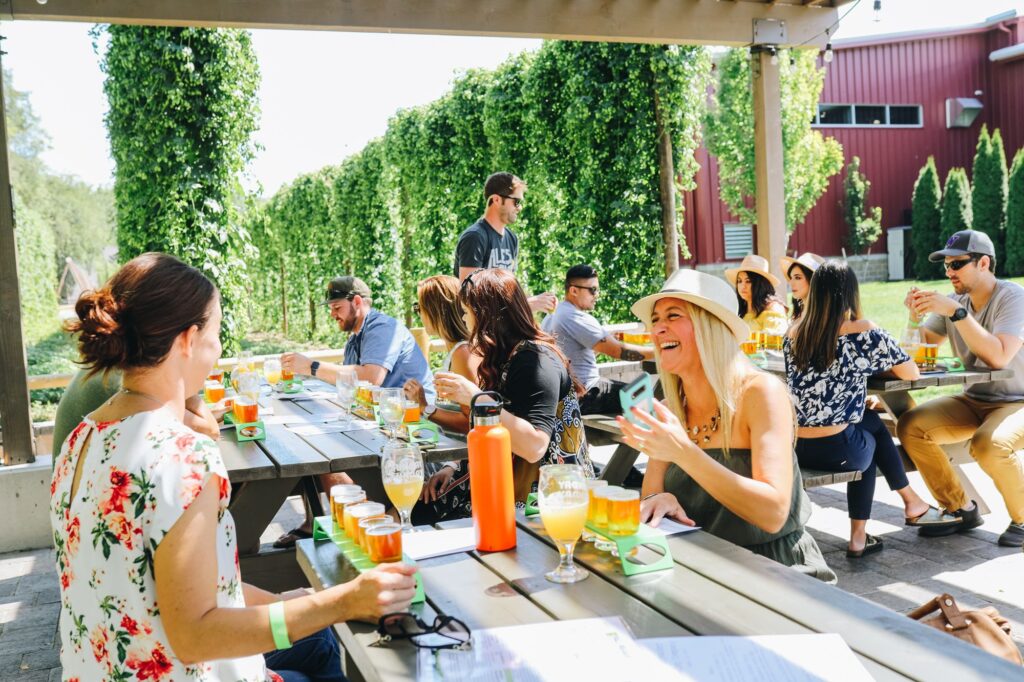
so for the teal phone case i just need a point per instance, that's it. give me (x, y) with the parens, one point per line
(637, 393)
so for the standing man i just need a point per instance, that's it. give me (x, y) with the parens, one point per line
(581, 337)
(379, 348)
(490, 242)
(984, 321)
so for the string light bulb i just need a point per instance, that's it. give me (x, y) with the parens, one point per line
(775, 57)
(878, 10)
(828, 56)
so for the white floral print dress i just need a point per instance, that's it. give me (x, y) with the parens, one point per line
(141, 474)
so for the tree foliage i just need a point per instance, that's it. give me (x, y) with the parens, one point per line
(809, 158)
(864, 223)
(989, 191)
(183, 108)
(926, 217)
(1015, 217)
(575, 120)
(956, 204)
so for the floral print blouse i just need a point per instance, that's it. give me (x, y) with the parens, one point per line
(836, 396)
(140, 475)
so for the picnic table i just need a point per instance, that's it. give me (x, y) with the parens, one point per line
(713, 588)
(264, 473)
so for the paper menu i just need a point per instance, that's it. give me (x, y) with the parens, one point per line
(603, 649)
(432, 543)
(670, 527)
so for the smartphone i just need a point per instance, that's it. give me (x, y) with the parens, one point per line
(637, 393)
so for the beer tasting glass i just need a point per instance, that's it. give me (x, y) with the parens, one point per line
(384, 543)
(401, 468)
(213, 391)
(358, 512)
(563, 500)
(593, 484)
(600, 514)
(286, 374)
(347, 502)
(392, 410)
(346, 385)
(338, 491)
(272, 371)
(623, 512)
(367, 522)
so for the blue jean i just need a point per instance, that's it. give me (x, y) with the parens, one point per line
(316, 658)
(860, 447)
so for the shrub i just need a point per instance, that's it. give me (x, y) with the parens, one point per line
(925, 234)
(864, 224)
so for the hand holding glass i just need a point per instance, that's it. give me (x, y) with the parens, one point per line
(563, 499)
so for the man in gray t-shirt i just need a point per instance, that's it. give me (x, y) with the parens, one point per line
(581, 337)
(984, 321)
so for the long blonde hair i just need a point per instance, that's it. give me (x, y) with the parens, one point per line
(725, 367)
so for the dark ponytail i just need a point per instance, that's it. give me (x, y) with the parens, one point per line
(133, 320)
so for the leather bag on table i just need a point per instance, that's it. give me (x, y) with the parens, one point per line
(983, 628)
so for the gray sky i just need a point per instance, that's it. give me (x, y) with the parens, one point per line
(324, 95)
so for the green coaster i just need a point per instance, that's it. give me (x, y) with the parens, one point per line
(531, 505)
(324, 528)
(422, 432)
(293, 386)
(645, 536)
(254, 431)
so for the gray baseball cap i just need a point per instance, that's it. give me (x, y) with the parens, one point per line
(965, 243)
(346, 287)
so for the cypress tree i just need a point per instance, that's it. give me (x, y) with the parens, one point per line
(1015, 217)
(956, 204)
(988, 198)
(864, 223)
(926, 217)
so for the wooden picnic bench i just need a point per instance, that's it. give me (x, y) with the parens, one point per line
(713, 588)
(264, 473)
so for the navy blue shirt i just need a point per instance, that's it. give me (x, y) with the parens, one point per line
(384, 341)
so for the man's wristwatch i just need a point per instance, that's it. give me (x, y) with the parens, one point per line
(313, 367)
(958, 315)
(429, 409)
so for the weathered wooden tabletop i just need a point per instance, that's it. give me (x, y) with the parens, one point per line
(714, 588)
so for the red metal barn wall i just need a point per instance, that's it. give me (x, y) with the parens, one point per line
(923, 71)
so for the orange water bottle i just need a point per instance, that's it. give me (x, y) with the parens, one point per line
(491, 489)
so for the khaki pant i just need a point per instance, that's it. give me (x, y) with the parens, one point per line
(995, 430)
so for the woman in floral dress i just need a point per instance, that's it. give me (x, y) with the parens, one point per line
(145, 546)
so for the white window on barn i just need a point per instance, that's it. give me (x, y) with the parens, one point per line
(739, 240)
(868, 116)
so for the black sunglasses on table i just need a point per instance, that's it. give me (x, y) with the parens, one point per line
(446, 632)
(956, 265)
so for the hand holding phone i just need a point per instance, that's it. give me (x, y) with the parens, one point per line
(637, 393)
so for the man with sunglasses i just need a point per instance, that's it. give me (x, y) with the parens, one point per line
(490, 242)
(581, 337)
(984, 321)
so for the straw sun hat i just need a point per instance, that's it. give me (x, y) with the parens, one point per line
(809, 260)
(702, 290)
(752, 263)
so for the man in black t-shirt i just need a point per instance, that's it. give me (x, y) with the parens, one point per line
(490, 242)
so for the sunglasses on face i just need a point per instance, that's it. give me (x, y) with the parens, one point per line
(593, 290)
(957, 265)
(515, 200)
(446, 632)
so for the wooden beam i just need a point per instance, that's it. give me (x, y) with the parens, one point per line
(705, 22)
(15, 417)
(770, 194)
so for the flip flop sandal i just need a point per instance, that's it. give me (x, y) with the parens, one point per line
(288, 540)
(934, 518)
(871, 546)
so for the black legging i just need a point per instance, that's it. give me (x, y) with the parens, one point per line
(859, 447)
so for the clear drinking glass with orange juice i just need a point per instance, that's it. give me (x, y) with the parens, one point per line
(272, 371)
(213, 391)
(563, 500)
(401, 468)
(623, 512)
(384, 543)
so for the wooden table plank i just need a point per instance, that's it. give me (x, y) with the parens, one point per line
(343, 452)
(244, 461)
(872, 631)
(293, 455)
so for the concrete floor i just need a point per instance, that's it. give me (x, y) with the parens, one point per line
(908, 572)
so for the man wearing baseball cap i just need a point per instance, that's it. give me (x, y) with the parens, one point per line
(984, 321)
(490, 241)
(381, 350)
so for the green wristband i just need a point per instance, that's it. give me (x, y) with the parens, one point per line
(278, 628)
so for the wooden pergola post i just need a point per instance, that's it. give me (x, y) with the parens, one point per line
(15, 417)
(770, 195)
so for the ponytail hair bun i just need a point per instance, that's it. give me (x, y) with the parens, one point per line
(133, 320)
